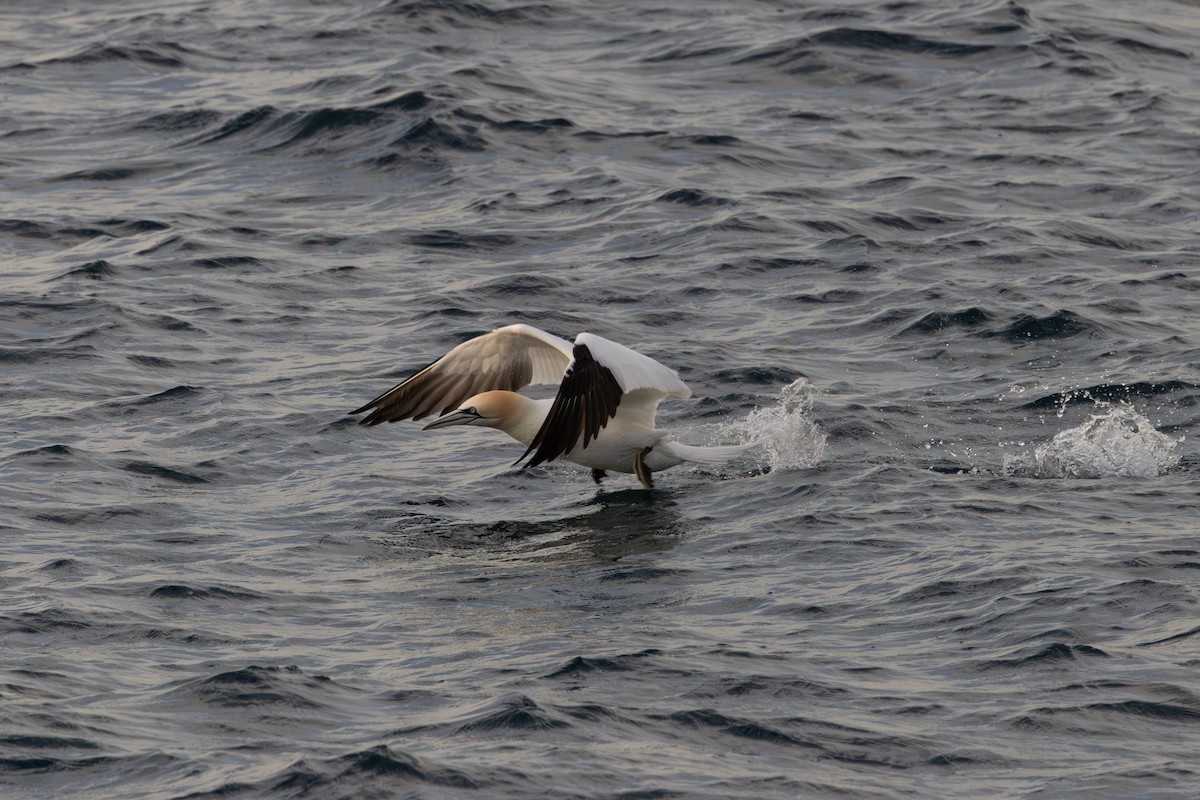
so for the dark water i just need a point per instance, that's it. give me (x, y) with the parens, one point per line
(942, 259)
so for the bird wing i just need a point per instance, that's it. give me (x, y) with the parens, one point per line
(506, 358)
(601, 377)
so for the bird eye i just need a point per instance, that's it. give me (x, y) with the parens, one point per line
(472, 411)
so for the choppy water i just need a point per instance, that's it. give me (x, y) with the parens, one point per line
(941, 259)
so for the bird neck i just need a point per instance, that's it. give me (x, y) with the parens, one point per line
(525, 418)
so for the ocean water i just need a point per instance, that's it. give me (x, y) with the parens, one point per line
(940, 261)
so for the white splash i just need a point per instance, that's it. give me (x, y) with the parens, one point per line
(790, 439)
(1119, 442)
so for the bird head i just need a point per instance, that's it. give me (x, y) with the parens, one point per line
(484, 410)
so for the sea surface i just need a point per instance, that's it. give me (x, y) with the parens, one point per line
(939, 260)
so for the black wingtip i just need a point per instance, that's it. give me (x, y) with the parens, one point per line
(587, 399)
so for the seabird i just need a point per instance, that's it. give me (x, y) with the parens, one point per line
(602, 416)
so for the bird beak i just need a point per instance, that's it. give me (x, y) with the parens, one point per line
(460, 417)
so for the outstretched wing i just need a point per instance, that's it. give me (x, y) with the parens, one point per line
(506, 358)
(600, 376)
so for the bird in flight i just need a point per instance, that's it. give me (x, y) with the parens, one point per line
(602, 416)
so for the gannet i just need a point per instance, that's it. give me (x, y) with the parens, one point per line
(607, 396)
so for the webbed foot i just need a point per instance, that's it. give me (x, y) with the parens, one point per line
(641, 470)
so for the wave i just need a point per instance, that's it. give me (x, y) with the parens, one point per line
(810, 54)
(881, 40)
(511, 713)
(378, 771)
(175, 591)
(157, 54)
(1107, 393)
(693, 197)
(1061, 324)
(938, 321)
(254, 686)
(461, 13)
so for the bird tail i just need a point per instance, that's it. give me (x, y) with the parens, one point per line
(704, 455)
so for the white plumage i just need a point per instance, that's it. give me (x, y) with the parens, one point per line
(602, 417)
